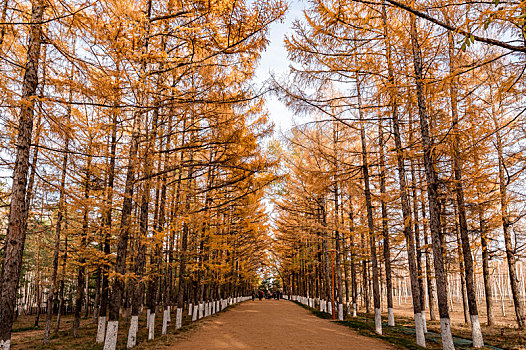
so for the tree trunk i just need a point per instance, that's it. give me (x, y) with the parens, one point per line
(106, 228)
(354, 284)
(476, 331)
(81, 278)
(510, 253)
(385, 229)
(406, 211)
(127, 207)
(432, 192)
(15, 238)
(56, 248)
(37, 284)
(62, 285)
(370, 219)
(419, 269)
(120, 263)
(429, 273)
(485, 267)
(465, 306)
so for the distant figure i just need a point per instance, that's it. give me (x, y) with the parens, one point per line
(260, 295)
(253, 296)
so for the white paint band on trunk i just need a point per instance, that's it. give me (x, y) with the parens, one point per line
(378, 320)
(478, 341)
(101, 329)
(201, 311)
(340, 312)
(190, 308)
(151, 328)
(194, 313)
(166, 316)
(111, 335)
(354, 309)
(132, 332)
(447, 337)
(419, 329)
(178, 318)
(148, 312)
(390, 317)
(5, 344)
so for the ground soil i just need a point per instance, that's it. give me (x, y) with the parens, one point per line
(272, 324)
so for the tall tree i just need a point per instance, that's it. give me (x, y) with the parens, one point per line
(15, 239)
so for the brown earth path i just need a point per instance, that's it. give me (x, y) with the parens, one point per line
(272, 324)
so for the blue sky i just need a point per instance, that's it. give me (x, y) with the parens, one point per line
(274, 60)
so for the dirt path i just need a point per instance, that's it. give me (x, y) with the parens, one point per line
(271, 324)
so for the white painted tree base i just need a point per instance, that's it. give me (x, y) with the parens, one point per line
(112, 329)
(378, 321)
(190, 308)
(445, 331)
(478, 341)
(151, 328)
(148, 312)
(354, 308)
(5, 344)
(132, 332)
(329, 311)
(101, 329)
(390, 317)
(201, 310)
(194, 313)
(419, 329)
(166, 316)
(340, 312)
(169, 313)
(178, 318)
